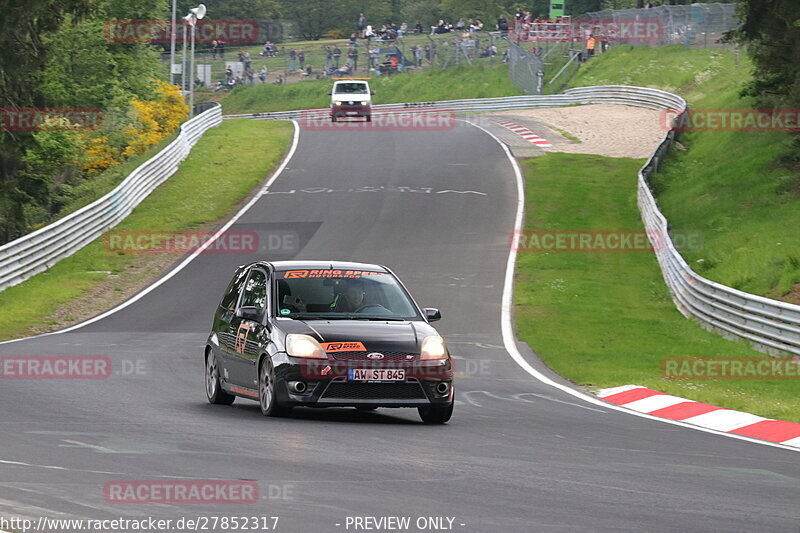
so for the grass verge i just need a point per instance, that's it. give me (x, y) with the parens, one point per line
(434, 84)
(193, 197)
(730, 187)
(606, 319)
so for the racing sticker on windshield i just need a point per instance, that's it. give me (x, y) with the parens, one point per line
(333, 347)
(294, 274)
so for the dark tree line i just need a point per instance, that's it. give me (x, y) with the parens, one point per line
(771, 30)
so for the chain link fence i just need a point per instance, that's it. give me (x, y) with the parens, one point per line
(543, 56)
(692, 25)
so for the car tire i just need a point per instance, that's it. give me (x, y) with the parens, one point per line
(436, 414)
(333, 118)
(369, 118)
(214, 392)
(267, 396)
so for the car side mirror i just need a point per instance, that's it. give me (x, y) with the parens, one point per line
(250, 313)
(372, 92)
(432, 314)
(330, 93)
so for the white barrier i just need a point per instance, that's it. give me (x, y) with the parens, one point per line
(770, 325)
(22, 258)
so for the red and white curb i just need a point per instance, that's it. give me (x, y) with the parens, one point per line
(654, 403)
(525, 133)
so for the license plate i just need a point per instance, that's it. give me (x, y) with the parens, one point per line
(351, 113)
(376, 374)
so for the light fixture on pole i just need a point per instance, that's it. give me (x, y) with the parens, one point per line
(195, 14)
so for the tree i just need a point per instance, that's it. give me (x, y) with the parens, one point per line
(23, 56)
(53, 54)
(772, 31)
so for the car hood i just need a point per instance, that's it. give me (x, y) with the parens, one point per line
(374, 335)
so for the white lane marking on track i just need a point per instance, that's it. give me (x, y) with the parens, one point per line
(79, 444)
(509, 339)
(556, 400)
(185, 262)
(469, 400)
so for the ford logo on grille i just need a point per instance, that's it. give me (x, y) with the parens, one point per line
(374, 355)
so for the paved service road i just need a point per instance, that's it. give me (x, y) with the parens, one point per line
(518, 456)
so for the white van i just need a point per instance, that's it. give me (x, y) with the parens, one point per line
(351, 98)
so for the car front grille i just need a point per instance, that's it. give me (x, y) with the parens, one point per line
(407, 390)
(362, 356)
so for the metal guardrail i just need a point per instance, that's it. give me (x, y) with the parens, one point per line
(770, 325)
(33, 253)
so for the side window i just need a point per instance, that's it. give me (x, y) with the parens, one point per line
(255, 290)
(235, 287)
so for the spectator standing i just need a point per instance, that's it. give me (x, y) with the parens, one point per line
(591, 42)
(246, 60)
(428, 53)
(328, 57)
(301, 57)
(221, 48)
(418, 56)
(262, 75)
(418, 27)
(502, 25)
(362, 24)
(603, 43)
(292, 60)
(352, 57)
(214, 47)
(337, 54)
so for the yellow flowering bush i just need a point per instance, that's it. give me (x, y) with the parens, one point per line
(155, 119)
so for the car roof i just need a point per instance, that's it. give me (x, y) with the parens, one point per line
(281, 266)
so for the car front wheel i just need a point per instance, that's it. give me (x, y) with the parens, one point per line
(436, 414)
(266, 391)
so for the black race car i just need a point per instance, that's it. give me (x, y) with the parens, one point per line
(324, 334)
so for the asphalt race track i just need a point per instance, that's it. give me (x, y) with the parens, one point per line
(518, 456)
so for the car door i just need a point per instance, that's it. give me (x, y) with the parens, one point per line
(222, 322)
(247, 330)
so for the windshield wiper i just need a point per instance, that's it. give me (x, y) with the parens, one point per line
(301, 316)
(379, 318)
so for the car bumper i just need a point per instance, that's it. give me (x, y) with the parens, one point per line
(326, 384)
(344, 111)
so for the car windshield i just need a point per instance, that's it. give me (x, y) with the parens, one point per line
(351, 88)
(342, 294)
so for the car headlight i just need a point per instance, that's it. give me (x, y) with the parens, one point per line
(433, 348)
(304, 346)
(337, 102)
